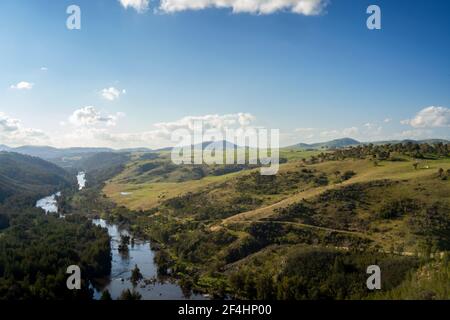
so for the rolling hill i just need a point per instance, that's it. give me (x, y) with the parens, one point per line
(333, 144)
(30, 177)
(349, 142)
(47, 153)
(345, 208)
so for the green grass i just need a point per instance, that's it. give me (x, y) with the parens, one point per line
(191, 214)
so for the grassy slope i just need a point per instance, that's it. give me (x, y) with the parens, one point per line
(147, 191)
(422, 184)
(26, 176)
(148, 195)
(365, 171)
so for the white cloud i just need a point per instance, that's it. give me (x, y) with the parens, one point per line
(331, 134)
(139, 5)
(304, 7)
(216, 121)
(305, 133)
(89, 116)
(85, 133)
(302, 130)
(44, 69)
(22, 85)
(387, 120)
(350, 132)
(111, 93)
(12, 132)
(430, 117)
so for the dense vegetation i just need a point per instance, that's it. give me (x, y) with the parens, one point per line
(25, 177)
(317, 274)
(36, 250)
(307, 233)
(102, 166)
(391, 152)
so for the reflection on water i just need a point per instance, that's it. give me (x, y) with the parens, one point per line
(141, 255)
(49, 204)
(81, 178)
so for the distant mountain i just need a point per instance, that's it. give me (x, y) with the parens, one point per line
(216, 144)
(4, 148)
(47, 153)
(51, 153)
(333, 144)
(30, 177)
(135, 150)
(202, 146)
(347, 142)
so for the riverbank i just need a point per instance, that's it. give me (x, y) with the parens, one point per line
(141, 255)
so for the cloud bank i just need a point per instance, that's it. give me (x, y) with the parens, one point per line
(304, 7)
(22, 85)
(431, 117)
(139, 5)
(111, 93)
(13, 132)
(89, 116)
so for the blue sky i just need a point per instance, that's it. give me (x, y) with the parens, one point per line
(130, 75)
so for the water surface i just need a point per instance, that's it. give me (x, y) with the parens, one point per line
(49, 204)
(81, 178)
(141, 255)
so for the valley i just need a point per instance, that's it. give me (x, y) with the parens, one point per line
(211, 228)
(221, 231)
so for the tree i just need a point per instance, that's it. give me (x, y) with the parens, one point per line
(124, 242)
(106, 296)
(347, 175)
(136, 275)
(4, 221)
(130, 295)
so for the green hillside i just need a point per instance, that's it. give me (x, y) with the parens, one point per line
(237, 232)
(37, 248)
(30, 177)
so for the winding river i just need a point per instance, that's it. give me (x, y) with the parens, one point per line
(139, 254)
(49, 204)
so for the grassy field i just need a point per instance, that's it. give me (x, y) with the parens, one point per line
(138, 191)
(214, 224)
(145, 196)
(365, 171)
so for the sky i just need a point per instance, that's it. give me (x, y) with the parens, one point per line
(138, 69)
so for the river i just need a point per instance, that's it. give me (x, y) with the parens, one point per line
(49, 204)
(139, 254)
(81, 178)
